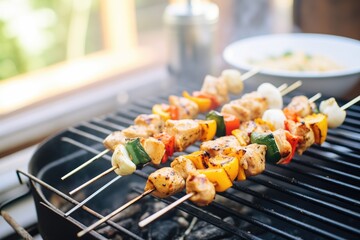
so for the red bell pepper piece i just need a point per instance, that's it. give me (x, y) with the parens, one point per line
(174, 112)
(293, 140)
(169, 142)
(231, 123)
(290, 114)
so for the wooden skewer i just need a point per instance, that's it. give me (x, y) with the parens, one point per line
(292, 87)
(104, 219)
(158, 214)
(282, 87)
(250, 73)
(349, 104)
(314, 98)
(85, 164)
(93, 180)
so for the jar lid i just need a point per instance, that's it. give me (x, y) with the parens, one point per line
(198, 12)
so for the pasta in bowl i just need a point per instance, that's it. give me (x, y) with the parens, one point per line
(325, 63)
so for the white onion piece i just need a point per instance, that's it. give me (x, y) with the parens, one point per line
(232, 78)
(335, 115)
(276, 117)
(122, 161)
(272, 95)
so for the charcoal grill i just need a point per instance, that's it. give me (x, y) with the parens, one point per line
(314, 197)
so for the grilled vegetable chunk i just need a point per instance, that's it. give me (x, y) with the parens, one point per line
(336, 116)
(319, 125)
(218, 177)
(122, 161)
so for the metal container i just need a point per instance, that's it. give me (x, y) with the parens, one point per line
(191, 39)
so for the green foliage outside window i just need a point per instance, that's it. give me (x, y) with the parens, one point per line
(36, 33)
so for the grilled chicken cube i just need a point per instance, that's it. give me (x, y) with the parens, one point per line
(114, 139)
(256, 102)
(220, 145)
(187, 108)
(166, 182)
(253, 126)
(281, 142)
(304, 132)
(249, 107)
(301, 106)
(183, 166)
(204, 189)
(154, 148)
(153, 122)
(233, 80)
(135, 131)
(185, 132)
(217, 88)
(235, 108)
(253, 161)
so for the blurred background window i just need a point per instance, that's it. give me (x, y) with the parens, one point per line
(51, 49)
(38, 33)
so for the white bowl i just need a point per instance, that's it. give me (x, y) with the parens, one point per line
(344, 51)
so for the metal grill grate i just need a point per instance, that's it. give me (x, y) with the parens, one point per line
(316, 196)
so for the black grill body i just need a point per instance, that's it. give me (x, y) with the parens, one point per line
(316, 196)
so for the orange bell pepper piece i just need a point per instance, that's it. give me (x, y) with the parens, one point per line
(231, 123)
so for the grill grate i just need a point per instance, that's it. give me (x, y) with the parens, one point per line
(316, 196)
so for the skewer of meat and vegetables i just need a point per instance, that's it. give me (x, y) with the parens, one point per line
(235, 157)
(214, 92)
(161, 139)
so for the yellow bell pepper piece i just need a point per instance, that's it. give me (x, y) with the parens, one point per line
(262, 122)
(208, 128)
(228, 163)
(199, 158)
(203, 103)
(158, 110)
(242, 137)
(218, 177)
(241, 174)
(318, 123)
